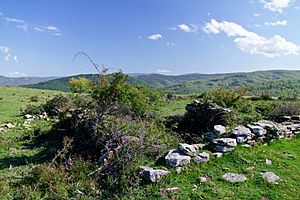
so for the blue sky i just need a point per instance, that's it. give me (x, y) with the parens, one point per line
(40, 37)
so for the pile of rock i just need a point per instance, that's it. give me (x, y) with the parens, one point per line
(261, 131)
(202, 115)
(30, 118)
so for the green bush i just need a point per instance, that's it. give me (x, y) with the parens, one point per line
(33, 110)
(34, 99)
(287, 108)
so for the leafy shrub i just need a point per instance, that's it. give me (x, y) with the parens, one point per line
(287, 108)
(80, 85)
(34, 99)
(225, 97)
(58, 104)
(265, 95)
(33, 110)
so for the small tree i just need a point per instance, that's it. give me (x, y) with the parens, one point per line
(80, 85)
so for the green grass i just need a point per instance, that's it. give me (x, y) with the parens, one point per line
(174, 107)
(13, 99)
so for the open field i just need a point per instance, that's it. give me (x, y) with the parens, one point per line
(13, 99)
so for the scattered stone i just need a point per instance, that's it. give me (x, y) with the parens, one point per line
(295, 117)
(284, 118)
(269, 162)
(288, 155)
(9, 126)
(178, 170)
(218, 155)
(242, 133)
(234, 178)
(153, 175)
(271, 177)
(187, 149)
(257, 130)
(202, 158)
(218, 131)
(2, 130)
(230, 142)
(176, 158)
(246, 145)
(223, 149)
(199, 146)
(27, 116)
(170, 190)
(204, 179)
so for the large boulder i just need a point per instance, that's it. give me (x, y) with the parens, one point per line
(234, 178)
(152, 175)
(187, 149)
(231, 142)
(176, 158)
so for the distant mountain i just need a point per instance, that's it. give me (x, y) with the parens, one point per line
(277, 81)
(17, 81)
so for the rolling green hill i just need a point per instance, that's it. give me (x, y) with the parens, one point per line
(275, 81)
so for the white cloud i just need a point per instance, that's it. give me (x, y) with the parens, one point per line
(156, 36)
(170, 44)
(251, 42)
(276, 5)
(39, 29)
(277, 23)
(192, 28)
(256, 15)
(17, 74)
(162, 71)
(18, 22)
(7, 56)
(50, 29)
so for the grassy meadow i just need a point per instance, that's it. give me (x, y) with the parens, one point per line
(13, 99)
(20, 152)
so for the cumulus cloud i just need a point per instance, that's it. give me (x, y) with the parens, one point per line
(156, 36)
(277, 23)
(191, 28)
(251, 42)
(276, 5)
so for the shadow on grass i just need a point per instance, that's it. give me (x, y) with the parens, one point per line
(50, 142)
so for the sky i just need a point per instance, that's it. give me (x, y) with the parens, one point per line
(41, 37)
